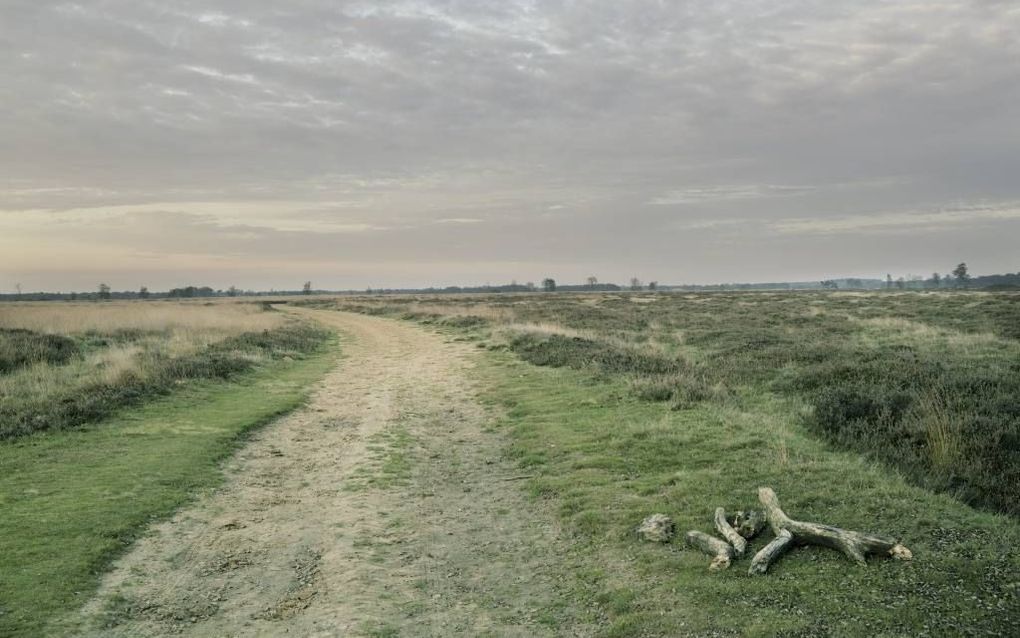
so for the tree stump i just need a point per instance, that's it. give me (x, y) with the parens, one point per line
(790, 532)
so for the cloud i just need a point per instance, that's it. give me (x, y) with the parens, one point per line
(717, 193)
(242, 78)
(570, 128)
(459, 220)
(896, 222)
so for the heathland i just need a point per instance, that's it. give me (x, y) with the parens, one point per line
(887, 412)
(927, 383)
(895, 413)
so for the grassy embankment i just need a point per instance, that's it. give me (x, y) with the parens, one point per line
(76, 485)
(681, 404)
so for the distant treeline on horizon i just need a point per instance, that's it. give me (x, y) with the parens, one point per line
(1008, 281)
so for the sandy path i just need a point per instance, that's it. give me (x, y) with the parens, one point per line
(383, 508)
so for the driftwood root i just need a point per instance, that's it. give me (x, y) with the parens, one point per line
(748, 524)
(771, 553)
(731, 535)
(743, 526)
(855, 545)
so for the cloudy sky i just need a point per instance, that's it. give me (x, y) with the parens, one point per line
(262, 143)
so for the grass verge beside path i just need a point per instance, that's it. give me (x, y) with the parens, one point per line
(604, 460)
(71, 501)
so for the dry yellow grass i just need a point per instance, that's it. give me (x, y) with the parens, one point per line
(155, 328)
(453, 310)
(945, 338)
(151, 316)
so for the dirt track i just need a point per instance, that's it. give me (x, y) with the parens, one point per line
(383, 508)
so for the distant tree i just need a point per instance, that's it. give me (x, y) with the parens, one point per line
(901, 283)
(192, 291)
(549, 284)
(830, 284)
(307, 288)
(935, 280)
(888, 281)
(653, 285)
(232, 291)
(17, 288)
(530, 286)
(74, 296)
(962, 275)
(635, 283)
(593, 281)
(143, 293)
(104, 291)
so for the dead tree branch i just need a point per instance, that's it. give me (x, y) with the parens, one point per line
(854, 544)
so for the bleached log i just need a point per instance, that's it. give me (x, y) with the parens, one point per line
(856, 545)
(771, 552)
(721, 551)
(726, 531)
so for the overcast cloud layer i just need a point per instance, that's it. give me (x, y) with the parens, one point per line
(262, 143)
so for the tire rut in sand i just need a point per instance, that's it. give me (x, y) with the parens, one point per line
(379, 509)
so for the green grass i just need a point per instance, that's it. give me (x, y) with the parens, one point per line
(604, 460)
(71, 501)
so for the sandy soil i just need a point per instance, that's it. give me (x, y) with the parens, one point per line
(383, 508)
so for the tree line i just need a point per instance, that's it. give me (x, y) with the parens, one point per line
(957, 279)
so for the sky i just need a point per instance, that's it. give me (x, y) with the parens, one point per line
(261, 144)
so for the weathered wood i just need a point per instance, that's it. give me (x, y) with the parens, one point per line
(726, 531)
(854, 544)
(721, 551)
(748, 524)
(771, 552)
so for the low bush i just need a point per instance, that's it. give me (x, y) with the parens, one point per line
(20, 347)
(465, 321)
(949, 428)
(658, 388)
(560, 351)
(682, 389)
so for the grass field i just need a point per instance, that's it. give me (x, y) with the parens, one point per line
(889, 413)
(75, 492)
(625, 405)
